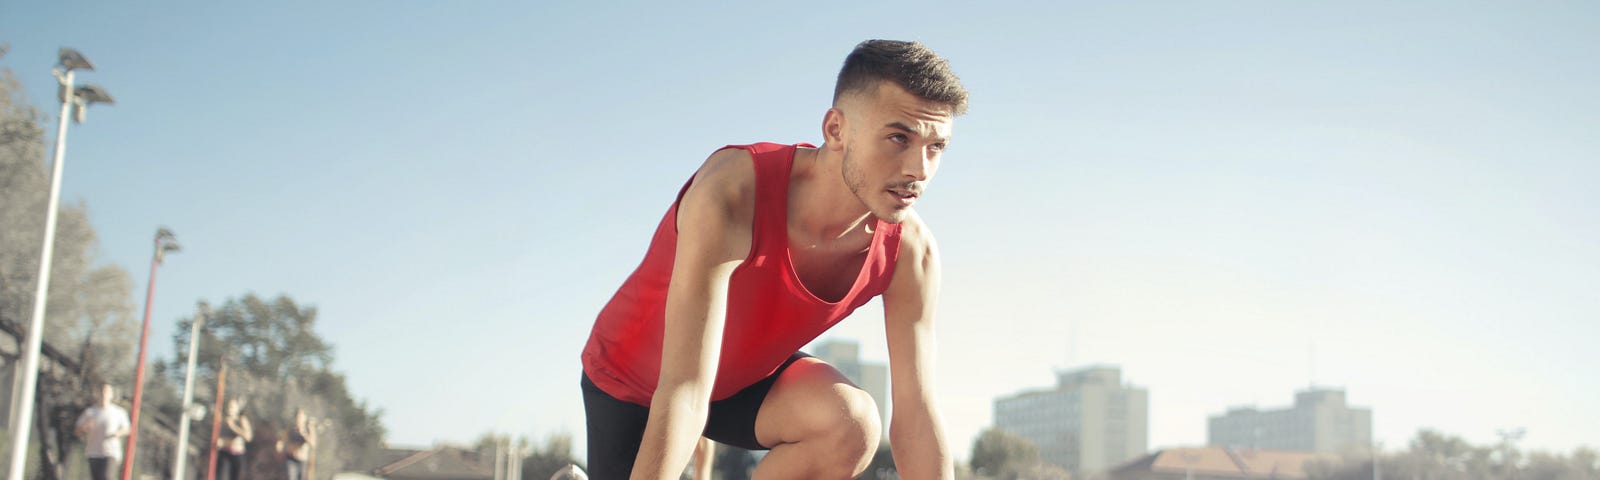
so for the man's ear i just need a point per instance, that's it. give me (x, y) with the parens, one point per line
(833, 128)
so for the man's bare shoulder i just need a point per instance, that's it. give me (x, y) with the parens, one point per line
(916, 239)
(727, 169)
(725, 183)
(916, 273)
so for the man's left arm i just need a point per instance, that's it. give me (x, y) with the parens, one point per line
(916, 433)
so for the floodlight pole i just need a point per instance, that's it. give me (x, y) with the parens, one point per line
(22, 398)
(164, 242)
(179, 459)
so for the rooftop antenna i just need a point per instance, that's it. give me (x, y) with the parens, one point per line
(1072, 342)
(1311, 364)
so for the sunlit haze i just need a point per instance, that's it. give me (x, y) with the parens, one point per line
(1229, 201)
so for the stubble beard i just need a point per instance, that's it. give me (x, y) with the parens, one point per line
(858, 183)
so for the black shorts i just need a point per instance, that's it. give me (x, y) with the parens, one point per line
(100, 468)
(616, 428)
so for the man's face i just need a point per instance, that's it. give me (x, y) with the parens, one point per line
(105, 394)
(892, 144)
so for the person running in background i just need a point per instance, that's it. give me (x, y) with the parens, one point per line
(102, 427)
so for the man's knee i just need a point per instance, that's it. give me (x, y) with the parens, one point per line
(864, 443)
(834, 422)
(851, 428)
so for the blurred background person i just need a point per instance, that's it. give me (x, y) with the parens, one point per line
(296, 445)
(236, 433)
(102, 427)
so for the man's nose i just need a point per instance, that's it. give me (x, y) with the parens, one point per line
(918, 165)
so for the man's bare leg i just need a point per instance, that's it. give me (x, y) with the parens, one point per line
(820, 425)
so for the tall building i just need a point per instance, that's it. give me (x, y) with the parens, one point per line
(845, 356)
(1319, 421)
(1087, 424)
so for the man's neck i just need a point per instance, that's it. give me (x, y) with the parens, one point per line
(820, 204)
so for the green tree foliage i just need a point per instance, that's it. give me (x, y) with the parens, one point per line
(89, 314)
(1001, 454)
(1436, 456)
(277, 363)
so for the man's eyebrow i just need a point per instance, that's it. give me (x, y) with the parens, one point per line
(898, 125)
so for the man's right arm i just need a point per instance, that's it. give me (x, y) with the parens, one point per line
(82, 426)
(713, 239)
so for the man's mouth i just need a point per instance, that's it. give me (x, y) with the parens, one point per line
(905, 195)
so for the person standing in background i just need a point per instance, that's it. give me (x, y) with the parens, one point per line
(236, 432)
(296, 445)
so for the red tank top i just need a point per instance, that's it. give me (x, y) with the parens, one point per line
(770, 314)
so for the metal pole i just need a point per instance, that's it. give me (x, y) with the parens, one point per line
(138, 371)
(22, 399)
(1377, 474)
(1377, 452)
(515, 468)
(179, 460)
(216, 418)
(499, 460)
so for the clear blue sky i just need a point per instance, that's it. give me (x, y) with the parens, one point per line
(1203, 194)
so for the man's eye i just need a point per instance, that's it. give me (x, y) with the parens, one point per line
(898, 138)
(937, 147)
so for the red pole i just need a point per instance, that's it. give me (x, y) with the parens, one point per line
(216, 420)
(138, 372)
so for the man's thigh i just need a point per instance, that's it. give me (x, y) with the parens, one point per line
(732, 420)
(809, 397)
(616, 428)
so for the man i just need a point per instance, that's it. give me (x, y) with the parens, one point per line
(102, 427)
(766, 247)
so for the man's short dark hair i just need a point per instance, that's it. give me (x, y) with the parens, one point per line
(909, 64)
